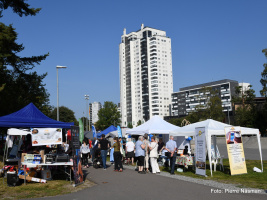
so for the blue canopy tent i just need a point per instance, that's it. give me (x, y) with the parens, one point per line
(30, 116)
(106, 131)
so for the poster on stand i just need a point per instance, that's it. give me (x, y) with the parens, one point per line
(200, 150)
(235, 150)
(46, 136)
(77, 165)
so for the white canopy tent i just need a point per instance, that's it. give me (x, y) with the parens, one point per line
(156, 125)
(213, 127)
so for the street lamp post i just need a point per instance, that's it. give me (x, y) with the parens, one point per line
(87, 110)
(58, 67)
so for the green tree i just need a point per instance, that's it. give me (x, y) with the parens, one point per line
(176, 121)
(18, 6)
(261, 120)
(130, 125)
(245, 108)
(107, 116)
(18, 86)
(139, 122)
(65, 115)
(264, 77)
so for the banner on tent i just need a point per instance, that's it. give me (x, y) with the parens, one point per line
(235, 150)
(46, 136)
(200, 150)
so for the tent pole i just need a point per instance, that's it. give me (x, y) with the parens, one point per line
(209, 149)
(259, 143)
(7, 137)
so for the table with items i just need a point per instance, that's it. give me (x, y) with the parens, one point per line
(30, 165)
(36, 155)
(185, 161)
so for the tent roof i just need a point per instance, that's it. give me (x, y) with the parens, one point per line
(115, 133)
(106, 131)
(156, 125)
(30, 116)
(214, 127)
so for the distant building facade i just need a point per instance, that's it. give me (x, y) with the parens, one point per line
(146, 81)
(94, 108)
(186, 100)
(243, 88)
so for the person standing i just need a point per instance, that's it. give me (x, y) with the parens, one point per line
(130, 150)
(94, 148)
(111, 154)
(160, 145)
(117, 155)
(90, 146)
(140, 154)
(85, 151)
(104, 146)
(146, 162)
(154, 155)
(171, 147)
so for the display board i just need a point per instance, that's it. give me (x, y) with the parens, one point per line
(235, 150)
(46, 136)
(77, 165)
(200, 150)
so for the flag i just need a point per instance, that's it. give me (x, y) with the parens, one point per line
(94, 131)
(81, 135)
(119, 132)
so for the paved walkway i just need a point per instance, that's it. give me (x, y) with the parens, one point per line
(128, 185)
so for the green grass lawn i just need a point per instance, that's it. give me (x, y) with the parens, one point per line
(251, 179)
(34, 190)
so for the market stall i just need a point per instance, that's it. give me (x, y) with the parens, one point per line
(215, 128)
(39, 141)
(156, 125)
(31, 153)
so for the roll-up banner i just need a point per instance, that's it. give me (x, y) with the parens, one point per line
(94, 131)
(119, 132)
(200, 150)
(77, 165)
(235, 150)
(81, 135)
(46, 136)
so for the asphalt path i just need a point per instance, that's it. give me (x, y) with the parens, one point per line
(128, 185)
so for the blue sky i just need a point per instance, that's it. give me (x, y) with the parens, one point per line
(211, 40)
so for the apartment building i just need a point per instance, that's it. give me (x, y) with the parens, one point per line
(146, 81)
(186, 100)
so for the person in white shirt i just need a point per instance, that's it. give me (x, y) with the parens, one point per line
(130, 150)
(85, 150)
(153, 147)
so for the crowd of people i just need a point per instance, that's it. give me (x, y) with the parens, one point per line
(143, 154)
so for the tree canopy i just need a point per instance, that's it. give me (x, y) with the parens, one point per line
(18, 6)
(245, 108)
(19, 83)
(108, 115)
(65, 115)
(261, 120)
(263, 80)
